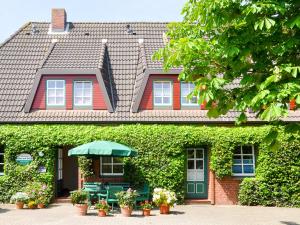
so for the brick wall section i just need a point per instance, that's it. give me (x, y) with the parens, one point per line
(147, 99)
(40, 97)
(226, 191)
(59, 19)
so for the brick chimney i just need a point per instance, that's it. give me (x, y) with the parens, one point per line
(59, 20)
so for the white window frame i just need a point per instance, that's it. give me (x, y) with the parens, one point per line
(64, 92)
(112, 163)
(2, 163)
(190, 91)
(162, 95)
(83, 96)
(242, 162)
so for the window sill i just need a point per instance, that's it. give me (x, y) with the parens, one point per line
(242, 176)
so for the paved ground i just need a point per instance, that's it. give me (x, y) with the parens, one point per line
(64, 214)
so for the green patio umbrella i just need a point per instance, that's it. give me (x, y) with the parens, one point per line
(102, 148)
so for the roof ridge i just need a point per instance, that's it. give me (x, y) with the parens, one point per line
(106, 22)
(14, 34)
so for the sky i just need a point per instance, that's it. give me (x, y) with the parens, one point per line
(15, 13)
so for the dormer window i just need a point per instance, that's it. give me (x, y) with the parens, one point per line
(186, 89)
(83, 93)
(56, 93)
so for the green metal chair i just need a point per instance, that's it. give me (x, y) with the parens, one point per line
(143, 194)
(110, 195)
(92, 188)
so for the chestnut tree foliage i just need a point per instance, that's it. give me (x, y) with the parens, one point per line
(255, 43)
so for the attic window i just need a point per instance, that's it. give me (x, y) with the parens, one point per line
(87, 34)
(27, 33)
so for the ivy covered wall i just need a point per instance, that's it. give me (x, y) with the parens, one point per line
(161, 160)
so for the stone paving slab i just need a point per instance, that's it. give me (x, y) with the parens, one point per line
(65, 214)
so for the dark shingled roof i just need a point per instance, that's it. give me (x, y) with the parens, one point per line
(123, 60)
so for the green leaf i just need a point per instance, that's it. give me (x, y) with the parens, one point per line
(269, 23)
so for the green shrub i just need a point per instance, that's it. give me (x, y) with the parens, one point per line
(249, 193)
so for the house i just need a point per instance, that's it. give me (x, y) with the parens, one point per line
(102, 73)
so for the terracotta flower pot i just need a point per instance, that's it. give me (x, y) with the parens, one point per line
(146, 212)
(164, 209)
(41, 206)
(82, 209)
(101, 213)
(126, 211)
(32, 207)
(19, 205)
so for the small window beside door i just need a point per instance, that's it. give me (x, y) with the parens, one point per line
(244, 161)
(111, 166)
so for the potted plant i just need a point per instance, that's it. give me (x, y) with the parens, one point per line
(20, 198)
(41, 202)
(79, 199)
(126, 201)
(164, 199)
(37, 192)
(32, 204)
(146, 206)
(103, 208)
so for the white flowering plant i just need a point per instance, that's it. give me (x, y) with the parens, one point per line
(19, 197)
(163, 196)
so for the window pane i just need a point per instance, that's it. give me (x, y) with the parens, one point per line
(247, 149)
(157, 85)
(87, 85)
(51, 100)
(106, 159)
(166, 100)
(1, 168)
(86, 101)
(118, 169)
(106, 168)
(51, 93)
(1, 158)
(199, 164)
(51, 84)
(60, 83)
(191, 154)
(77, 92)
(247, 159)
(248, 169)
(166, 85)
(237, 150)
(237, 169)
(158, 92)
(199, 154)
(194, 100)
(117, 160)
(237, 159)
(77, 85)
(59, 100)
(87, 92)
(184, 100)
(59, 93)
(78, 101)
(157, 100)
(190, 164)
